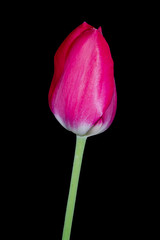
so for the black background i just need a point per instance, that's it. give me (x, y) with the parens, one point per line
(112, 198)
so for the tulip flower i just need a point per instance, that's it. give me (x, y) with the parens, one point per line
(82, 94)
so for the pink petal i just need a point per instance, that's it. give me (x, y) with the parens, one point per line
(110, 112)
(60, 56)
(105, 121)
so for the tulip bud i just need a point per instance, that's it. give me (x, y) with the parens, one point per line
(82, 94)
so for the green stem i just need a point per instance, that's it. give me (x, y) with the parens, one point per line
(80, 144)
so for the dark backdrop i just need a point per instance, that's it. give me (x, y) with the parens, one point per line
(111, 200)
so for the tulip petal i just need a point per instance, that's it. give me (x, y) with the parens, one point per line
(110, 112)
(105, 121)
(60, 56)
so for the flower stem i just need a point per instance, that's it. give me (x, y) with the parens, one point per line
(80, 144)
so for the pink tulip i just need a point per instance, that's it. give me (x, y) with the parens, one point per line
(82, 94)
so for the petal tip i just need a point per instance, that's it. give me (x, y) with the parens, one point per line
(100, 29)
(85, 23)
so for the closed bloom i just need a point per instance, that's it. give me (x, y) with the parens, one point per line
(82, 94)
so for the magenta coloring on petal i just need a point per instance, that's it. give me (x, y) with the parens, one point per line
(82, 95)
